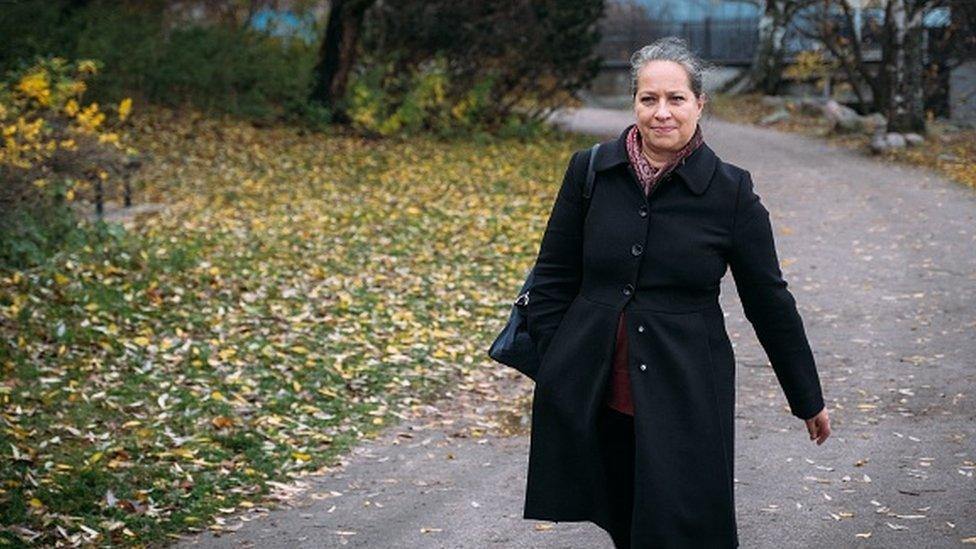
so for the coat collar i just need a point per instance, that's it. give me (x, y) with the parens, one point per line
(696, 170)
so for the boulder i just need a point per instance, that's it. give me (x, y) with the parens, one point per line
(878, 143)
(777, 116)
(843, 119)
(895, 140)
(883, 142)
(874, 122)
(914, 139)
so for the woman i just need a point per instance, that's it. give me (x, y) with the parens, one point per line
(632, 412)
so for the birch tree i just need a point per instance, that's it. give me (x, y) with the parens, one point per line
(904, 65)
(766, 71)
(897, 84)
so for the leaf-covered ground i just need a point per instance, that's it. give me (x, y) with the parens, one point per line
(948, 150)
(300, 292)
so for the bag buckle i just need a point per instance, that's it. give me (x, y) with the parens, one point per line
(522, 300)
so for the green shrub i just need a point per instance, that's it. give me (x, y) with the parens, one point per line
(217, 67)
(52, 146)
(383, 101)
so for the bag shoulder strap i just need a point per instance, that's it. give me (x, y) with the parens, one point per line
(590, 178)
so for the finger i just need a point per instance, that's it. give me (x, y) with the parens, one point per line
(824, 433)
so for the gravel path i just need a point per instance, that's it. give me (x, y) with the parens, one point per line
(882, 261)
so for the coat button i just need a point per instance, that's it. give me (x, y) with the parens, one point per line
(636, 249)
(628, 289)
(642, 211)
(640, 328)
(643, 367)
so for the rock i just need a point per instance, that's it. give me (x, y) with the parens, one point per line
(914, 139)
(843, 119)
(778, 116)
(878, 143)
(895, 140)
(874, 122)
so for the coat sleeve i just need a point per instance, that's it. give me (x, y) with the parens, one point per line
(558, 266)
(768, 304)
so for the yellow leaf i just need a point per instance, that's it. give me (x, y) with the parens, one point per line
(301, 456)
(36, 503)
(328, 392)
(299, 350)
(125, 108)
(141, 341)
(217, 395)
(183, 453)
(61, 279)
(95, 457)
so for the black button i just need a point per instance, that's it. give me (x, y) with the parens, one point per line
(642, 211)
(628, 289)
(637, 249)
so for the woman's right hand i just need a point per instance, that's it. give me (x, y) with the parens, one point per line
(819, 426)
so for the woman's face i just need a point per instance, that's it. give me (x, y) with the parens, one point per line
(667, 110)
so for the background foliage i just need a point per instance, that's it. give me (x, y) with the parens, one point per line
(52, 144)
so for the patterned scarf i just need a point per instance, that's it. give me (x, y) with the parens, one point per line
(648, 175)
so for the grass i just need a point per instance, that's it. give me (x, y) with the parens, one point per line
(948, 150)
(301, 291)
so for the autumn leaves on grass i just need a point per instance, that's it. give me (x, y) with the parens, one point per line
(302, 289)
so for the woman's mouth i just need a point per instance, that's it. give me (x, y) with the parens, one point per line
(663, 129)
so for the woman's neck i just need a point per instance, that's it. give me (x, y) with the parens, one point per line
(658, 159)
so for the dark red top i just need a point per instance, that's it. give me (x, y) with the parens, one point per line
(618, 395)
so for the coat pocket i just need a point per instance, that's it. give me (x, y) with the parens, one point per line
(557, 341)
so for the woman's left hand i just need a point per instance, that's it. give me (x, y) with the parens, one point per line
(819, 426)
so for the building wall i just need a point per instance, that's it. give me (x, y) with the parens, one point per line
(962, 94)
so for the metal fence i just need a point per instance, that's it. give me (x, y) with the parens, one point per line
(718, 41)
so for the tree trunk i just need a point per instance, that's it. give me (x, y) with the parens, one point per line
(767, 65)
(337, 54)
(905, 96)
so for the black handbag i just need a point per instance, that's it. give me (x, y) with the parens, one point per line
(513, 346)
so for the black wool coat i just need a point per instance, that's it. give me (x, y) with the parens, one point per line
(661, 260)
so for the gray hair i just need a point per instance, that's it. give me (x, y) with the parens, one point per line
(670, 48)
